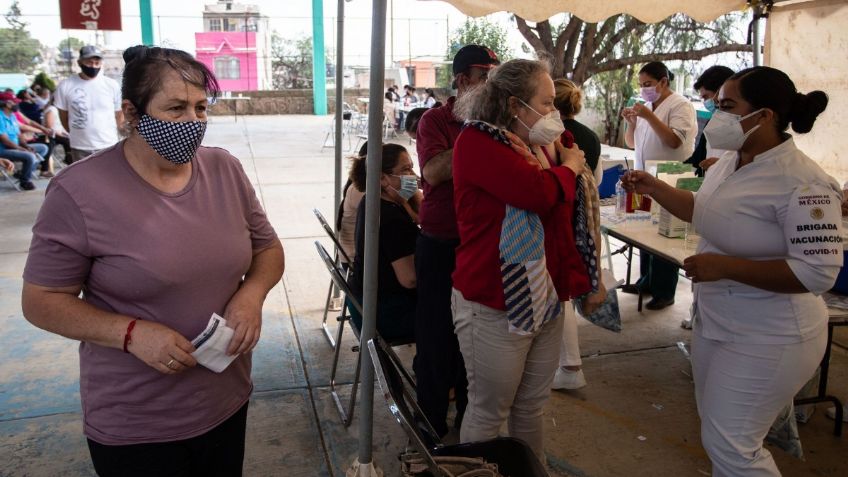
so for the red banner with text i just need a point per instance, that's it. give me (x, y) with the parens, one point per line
(90, 14)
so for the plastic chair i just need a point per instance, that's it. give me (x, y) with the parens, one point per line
(331, 132)
(339, 250)
(513, 457)
(338, 278)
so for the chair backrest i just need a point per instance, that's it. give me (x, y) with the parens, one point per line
(332, 235)
(401, 402)
(338, 276)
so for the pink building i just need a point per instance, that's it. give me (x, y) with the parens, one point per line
(235, 45)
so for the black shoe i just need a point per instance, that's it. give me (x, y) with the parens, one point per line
(659, 303)
(27, 185)
(632, 289)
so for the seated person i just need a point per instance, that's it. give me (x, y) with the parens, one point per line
(411, 125)
(396, 283)
(346, 224)
(60, 134)
(390, 110)
(12, 145)
(34, 134)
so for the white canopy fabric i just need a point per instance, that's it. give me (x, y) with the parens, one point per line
(648, 11)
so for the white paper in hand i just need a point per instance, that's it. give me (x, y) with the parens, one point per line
(211, 345)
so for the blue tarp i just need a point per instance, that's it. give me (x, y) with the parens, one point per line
(16, 81)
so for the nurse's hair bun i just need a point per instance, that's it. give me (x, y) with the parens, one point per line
(805, 109)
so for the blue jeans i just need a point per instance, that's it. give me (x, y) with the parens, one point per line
(27, 159)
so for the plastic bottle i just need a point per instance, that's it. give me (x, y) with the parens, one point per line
(620, 199)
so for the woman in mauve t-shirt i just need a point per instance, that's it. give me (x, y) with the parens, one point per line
(158, 234)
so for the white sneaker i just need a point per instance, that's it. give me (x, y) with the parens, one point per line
(831, 412)
(568, 379)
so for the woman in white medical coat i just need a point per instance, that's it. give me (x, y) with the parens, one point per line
(663, 129)
(769, 218)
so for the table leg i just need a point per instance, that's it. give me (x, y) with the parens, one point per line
(822, 394)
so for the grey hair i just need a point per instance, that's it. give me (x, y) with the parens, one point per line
(490, 102)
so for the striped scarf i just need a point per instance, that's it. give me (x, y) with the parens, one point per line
(529, 294)
(587, 223)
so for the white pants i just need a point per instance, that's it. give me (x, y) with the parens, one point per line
(569, 352)
(740, 389)
(509, 375)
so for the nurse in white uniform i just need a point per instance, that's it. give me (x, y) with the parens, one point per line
(769, 218)
(663, 129)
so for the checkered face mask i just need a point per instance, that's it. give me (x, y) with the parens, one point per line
(176, 141)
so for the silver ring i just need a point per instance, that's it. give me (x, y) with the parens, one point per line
(170, 364)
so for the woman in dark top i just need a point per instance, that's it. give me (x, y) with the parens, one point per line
(399, 199)
(569, 102)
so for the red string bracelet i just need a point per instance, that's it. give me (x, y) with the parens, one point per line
(128, 334)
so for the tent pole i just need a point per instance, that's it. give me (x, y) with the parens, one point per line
(337, 196)
(756, 42)
(372, 225)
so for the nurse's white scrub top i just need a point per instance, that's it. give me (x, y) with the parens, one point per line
(678, 114)
(780, 206)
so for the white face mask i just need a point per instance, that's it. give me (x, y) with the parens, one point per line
(546, 130)
(724, 131)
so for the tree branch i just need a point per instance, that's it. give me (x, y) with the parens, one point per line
(615, 39)
(568, 60)
(528, 34)
(677, 55)
(587, 47)
(563, 40)
(546, 35)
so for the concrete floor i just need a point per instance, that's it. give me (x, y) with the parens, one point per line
(635, 418)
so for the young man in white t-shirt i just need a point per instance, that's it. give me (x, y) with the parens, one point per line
(89, 106)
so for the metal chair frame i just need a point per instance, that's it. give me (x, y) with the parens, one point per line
(339, 280)
(513, 456)
(10, 179)
(338, 250)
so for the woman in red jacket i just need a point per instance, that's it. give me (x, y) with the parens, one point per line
(506, 304)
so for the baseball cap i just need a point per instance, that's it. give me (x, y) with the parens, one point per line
(470, 56)
(6, 96)
(90, 51)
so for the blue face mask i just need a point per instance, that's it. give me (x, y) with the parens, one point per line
(710, 105)
(408, 186)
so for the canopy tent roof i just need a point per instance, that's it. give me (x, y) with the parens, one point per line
(648, 11)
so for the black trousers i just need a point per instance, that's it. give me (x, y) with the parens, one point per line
(217, 453)
(438, 363)
(659, 277)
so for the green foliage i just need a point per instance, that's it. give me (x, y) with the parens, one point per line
(20, 52)
(291, 62)
(71, 44)
(608, 93)
(603, 56)
(41, 79)
(475, 31)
